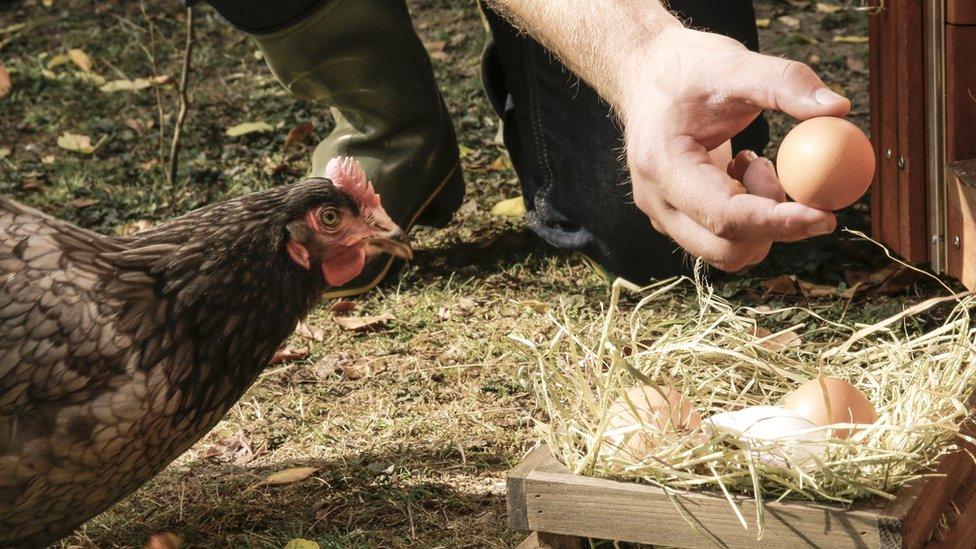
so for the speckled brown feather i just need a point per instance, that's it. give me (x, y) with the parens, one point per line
(117, 354)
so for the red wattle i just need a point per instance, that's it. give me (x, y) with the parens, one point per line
(344, 265)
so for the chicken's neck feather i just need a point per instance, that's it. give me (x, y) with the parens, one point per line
(226, 295)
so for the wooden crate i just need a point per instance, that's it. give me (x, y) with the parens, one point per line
(923, 120)
(562, 509)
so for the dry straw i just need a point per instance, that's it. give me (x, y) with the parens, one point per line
(718, 356)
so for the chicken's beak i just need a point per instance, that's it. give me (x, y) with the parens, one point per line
(394, 242)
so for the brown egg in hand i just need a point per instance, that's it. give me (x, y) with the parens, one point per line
(825, 163)
(840, 403)
(647, 415)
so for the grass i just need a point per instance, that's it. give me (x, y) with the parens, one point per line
(412, 427)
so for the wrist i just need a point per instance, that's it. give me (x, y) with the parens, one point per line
(637, 70)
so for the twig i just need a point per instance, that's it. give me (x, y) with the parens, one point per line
(151, 54)
(174, 150)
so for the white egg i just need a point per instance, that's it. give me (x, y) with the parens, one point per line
(777, 433)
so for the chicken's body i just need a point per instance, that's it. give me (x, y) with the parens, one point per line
(117, 354)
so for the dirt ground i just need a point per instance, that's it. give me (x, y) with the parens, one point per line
(410, 427)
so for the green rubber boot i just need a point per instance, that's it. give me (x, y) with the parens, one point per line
(363, 59)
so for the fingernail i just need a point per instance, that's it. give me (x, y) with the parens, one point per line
(751, 155)
(826, 96)
(771, 167)
(820, 228)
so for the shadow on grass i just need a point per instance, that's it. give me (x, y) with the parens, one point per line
(344, 503)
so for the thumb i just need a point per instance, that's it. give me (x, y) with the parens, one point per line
(791, 87)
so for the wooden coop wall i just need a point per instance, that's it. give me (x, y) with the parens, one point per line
(899, 202)
(902, 124)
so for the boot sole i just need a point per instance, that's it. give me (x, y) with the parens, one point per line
(350, 292)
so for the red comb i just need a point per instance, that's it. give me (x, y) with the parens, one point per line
(348, 175)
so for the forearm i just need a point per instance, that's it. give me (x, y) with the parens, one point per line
(598, 39)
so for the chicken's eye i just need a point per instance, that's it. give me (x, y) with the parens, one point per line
(330, 218)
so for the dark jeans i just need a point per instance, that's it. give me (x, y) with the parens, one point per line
(564, 142)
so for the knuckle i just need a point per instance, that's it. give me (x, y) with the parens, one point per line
(721, 226)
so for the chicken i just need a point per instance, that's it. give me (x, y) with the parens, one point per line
(117, 354)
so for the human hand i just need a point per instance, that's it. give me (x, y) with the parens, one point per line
(688, 92)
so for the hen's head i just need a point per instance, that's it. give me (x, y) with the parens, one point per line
(341, 235)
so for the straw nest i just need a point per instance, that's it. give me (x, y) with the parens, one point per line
(718, 356)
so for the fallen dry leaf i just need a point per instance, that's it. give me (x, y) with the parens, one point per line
(83, 202)
(789, 21)
(164, 540)
(301, 543)
(5, 83)
(813, 291)
(4, 152)
(298, 134)
(76, 143)
(353, 371)
(80, 59)
(781, 285)
(503, 162)
(235, 448)
(342, 307)
(780, 341)
(855, 64)
(458, 39)
(437, 45)
(536, 306)
(58, 60)
(288, 476)
(443, 313)
(134, 124)
(289, 354)
(308, 332)
(512, 207)
(134, 227)
(892, 279)
(30, 185)
(363, 323)
(92, 78)
(763, 23)
(125, 85)
(851, 39)
(248, 127)
(823, 7)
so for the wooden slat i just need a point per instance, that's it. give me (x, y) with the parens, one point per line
(960, 526)
(885, 89)
(913, 241)
(961, 12)
(960, 92)
(544, 540)
(539, 459)
(590, 507)
(961, 222)
(875, 96)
